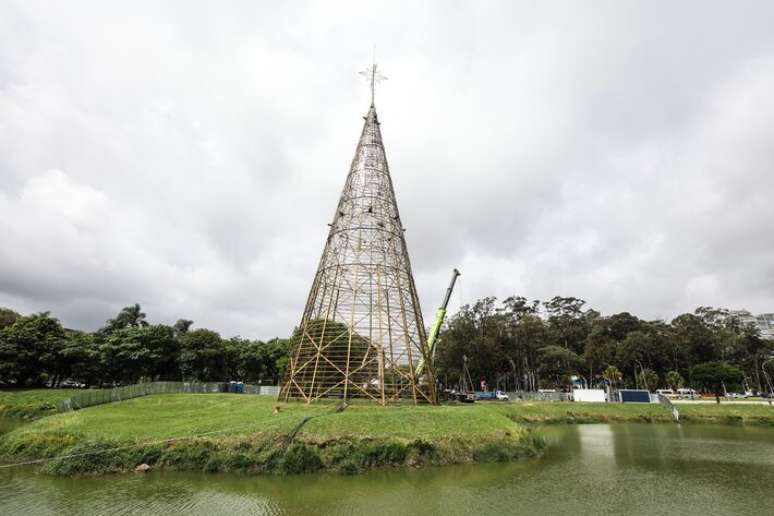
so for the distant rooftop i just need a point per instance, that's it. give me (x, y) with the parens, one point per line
(764, 322)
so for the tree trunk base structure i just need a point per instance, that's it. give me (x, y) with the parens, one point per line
(361, 333)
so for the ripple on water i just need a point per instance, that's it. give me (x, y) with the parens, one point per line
(588, 469)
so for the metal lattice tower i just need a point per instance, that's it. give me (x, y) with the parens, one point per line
(361, 333)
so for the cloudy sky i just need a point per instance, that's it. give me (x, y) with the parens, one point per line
(188, 155)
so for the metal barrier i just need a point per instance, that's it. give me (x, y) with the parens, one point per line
(667, 403)
(98, 397)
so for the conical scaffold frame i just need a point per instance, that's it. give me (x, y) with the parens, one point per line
(361, 333)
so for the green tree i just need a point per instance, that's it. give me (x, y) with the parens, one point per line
(716, 377)
(558, 363)
(613, 375)
(478, 332)
(275, 360)
(202, 356)
(7, 317)
(251, 360)
(182, 326)
(29, 350)
(600, 348)
(644, 349)
(622, 324)
(568, 323)
(527, 335)
(133, 353)
(81, 358)
(753, 353)
(129, 316)
(674, 380)
(648, 378)
(695, 342)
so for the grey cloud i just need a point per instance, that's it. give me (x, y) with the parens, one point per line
(188, 156)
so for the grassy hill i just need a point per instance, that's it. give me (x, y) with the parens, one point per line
(33, 403)
(225, 432)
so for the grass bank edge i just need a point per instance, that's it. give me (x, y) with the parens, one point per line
(360, 438)
(273, 453)
(98, 440)
(547, 413)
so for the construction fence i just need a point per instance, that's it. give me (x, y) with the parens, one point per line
(90, 398)
(538, 396)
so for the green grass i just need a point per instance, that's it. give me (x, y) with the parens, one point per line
(733, 413)
(411, 422)
(551, 413)
(32, 403)
(165, 416)
(218, 432)
(225, 432)
(558, 412)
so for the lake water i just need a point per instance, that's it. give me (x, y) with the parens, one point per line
(587, 469)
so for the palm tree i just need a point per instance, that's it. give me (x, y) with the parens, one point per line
(128, 316)
(182, 326)
(674, 380)
(134, 316)
(613, 375)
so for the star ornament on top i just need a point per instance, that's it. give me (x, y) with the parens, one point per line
(373, 76)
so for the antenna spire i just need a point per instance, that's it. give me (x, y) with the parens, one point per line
(373, 76)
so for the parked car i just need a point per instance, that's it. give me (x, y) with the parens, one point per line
(72, 384)
(491, 395)
(688, 393)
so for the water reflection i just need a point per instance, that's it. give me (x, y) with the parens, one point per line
(587, 469)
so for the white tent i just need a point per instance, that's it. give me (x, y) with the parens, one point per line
(589, 395)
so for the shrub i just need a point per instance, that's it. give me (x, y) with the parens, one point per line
(300, 459)
(88, 459)
(381, 454)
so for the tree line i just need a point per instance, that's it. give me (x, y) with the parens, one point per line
(514, 345)
(36, 350)
(522, 344)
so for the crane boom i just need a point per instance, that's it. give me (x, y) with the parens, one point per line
(435, 329)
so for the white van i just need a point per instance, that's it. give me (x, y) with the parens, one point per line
(687, 393)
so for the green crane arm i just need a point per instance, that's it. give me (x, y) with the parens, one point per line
(435, 329)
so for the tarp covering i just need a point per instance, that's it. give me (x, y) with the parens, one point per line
(634, 396)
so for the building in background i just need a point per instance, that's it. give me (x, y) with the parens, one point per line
(764, 322)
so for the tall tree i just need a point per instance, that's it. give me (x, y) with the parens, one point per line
(29, 350)
(717, 377)
(613, 376)
(202, 356)
(134, 353)
(568, 323)
(182, 326)
(674, 380)
(81, 358)
(129, 316)
(558, 363)
(7, 317)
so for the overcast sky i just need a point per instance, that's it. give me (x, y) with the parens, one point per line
(188, 155)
